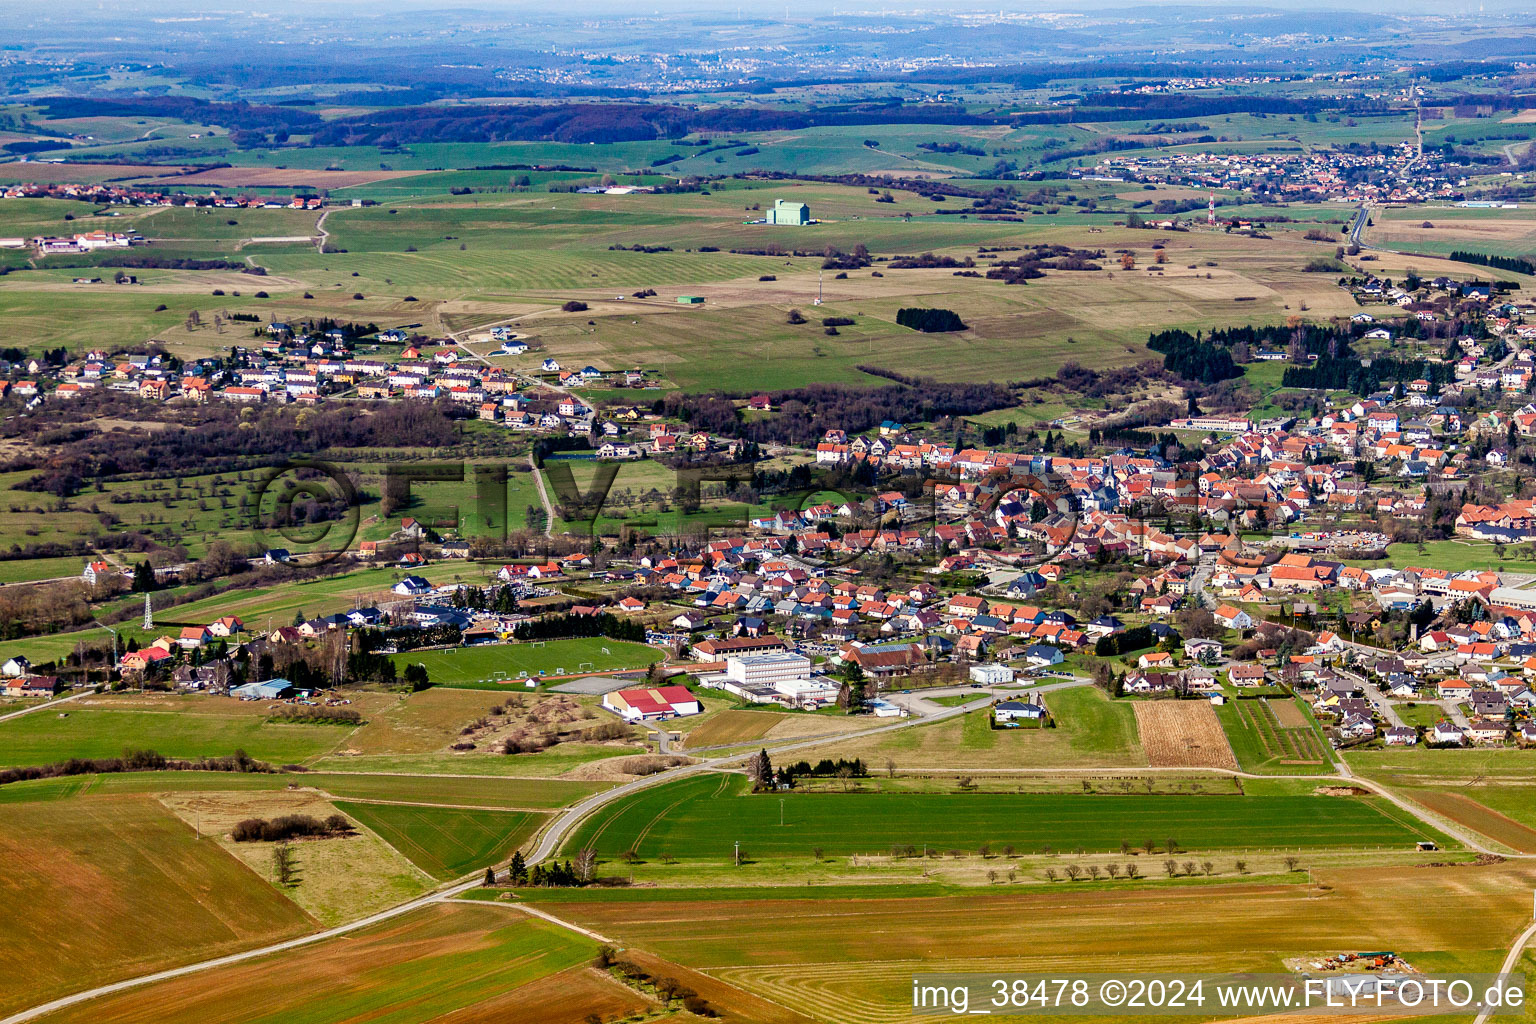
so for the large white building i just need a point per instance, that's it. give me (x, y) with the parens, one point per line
(991, 675)
(781, 676)
(768, 669)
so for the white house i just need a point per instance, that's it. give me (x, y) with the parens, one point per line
(991, 675)
(1016, 710)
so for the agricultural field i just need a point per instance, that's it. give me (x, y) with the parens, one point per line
(731, 726)
(1183, 734)
(1091, 731)
(518, 256)
(486, 792)
(1422, 767)
(177, 726)
(852, 956)
(506, 663)
(1473, 813)
(447, 842)
(333, 879)
(701, 817)
(453, 962)
(1497, 232)
(1270, 740)
(119, 886)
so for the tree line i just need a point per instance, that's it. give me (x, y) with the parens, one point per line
(134, 761)
(807, 413)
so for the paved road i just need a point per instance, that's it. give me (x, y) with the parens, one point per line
(46, 705)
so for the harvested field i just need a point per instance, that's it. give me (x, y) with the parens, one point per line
(736, 1003)
(280, 177)
(852, 958)
(1183, 734)
(577, 994)
(1465, 811)
(1287, 714)
(103, 888)
(33, 171)
(733, 726)
(439, 963)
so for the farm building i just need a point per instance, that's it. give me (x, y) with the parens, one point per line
(690, 300)
(271, 689)
(652, 702)
(786, 212)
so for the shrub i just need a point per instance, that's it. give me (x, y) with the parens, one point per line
(574, 306)
(288, 826)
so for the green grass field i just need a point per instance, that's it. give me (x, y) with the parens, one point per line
(447, 842)
(1091, 732)
(510, 793)
(468, 665)
(203, 729)
(701, 817)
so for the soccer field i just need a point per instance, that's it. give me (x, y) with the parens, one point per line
(468, 666)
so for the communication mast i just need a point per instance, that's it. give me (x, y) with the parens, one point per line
(1210, 211)
(149, 615)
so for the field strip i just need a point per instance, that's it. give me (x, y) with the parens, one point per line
(543, 915)
(445, 807)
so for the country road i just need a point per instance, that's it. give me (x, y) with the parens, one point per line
(566, 822)
(46, 705)
(1508, 966)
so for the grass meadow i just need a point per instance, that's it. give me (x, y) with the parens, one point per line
(488, 662)
(447, 842)
(185, 727)
(1091, 732)
(504, 793)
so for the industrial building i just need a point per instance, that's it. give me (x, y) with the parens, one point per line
(784, 211)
